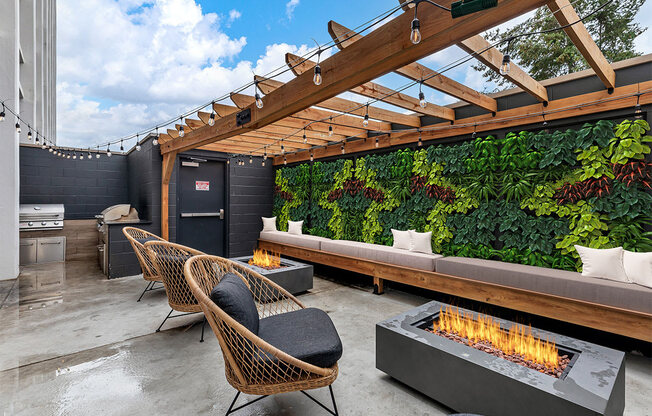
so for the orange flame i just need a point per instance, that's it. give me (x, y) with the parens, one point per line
(518, 340)
(262, 258)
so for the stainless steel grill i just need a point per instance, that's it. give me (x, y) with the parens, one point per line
(41, 217)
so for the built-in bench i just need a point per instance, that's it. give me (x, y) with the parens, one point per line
(617, 307)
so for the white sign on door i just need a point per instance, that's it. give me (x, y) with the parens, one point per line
(202, 186)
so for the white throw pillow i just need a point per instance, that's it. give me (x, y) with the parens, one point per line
(638, 267)
(295, 227)
(269, 224)
(603, 263)
(421, 242)
(402, 239)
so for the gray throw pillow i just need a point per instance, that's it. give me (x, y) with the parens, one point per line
(233, 296)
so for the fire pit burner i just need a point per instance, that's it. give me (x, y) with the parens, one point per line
(291, 275)
(265, 260)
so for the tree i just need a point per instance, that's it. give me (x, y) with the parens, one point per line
(553, 54)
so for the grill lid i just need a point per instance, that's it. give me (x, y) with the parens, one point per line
(31, 211)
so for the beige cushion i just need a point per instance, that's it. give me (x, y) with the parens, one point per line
(421, 242)
(551, 281)
(269, 224)
(303, 240)
(381, 253)
(603, 263)
(638, 267)
(295, 227)
(401, 239)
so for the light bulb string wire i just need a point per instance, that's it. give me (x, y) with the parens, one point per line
(448, 67)
(475, 124)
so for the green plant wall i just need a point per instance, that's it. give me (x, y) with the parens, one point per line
(525, 198)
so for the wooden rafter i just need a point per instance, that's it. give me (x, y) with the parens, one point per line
(493, 58)
(344, 38)
(565, 15)
(382, 51)
(376, 91)
(622, 97)
(347, 106)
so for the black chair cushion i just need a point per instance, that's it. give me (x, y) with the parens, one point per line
(233, 296)
(146, 239)
(307, 334)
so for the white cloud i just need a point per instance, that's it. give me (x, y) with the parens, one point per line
(289, 8)
(234, 15)
(155, 60)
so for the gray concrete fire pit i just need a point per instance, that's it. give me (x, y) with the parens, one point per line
(473, 381)
(293, 276)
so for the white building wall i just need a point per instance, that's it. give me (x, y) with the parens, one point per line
(9, 175)
(28, 86)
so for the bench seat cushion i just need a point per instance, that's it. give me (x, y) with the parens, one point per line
(380, 253)
(307, 334)
(303, 240)
(551, 281)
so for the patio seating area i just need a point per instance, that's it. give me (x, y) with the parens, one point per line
(115, 359)
(356, 232)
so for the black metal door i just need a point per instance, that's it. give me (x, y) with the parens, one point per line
(202, 205)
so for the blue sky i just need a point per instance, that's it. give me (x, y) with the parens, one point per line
(159, 58)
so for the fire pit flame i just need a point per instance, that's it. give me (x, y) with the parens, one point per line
(484, 330)
(262, 258)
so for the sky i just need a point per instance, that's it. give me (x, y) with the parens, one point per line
(126, 65)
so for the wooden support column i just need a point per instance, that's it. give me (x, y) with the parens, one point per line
(166, 174)
(378, 286)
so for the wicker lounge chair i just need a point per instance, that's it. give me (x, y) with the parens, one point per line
(168, 259)
(273, 360)
(138, 238)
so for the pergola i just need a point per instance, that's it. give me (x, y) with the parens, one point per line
(301, 107)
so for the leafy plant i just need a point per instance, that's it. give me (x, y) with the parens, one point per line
(629, 140)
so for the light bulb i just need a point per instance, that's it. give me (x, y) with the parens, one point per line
(181, 131)
(89, 156)
(97, 155)
(262, 163)
(504, 67)
(29, 135)
(251, 160)
(312, 158)
(376, 141)
(317, 79)
(285, 161)
(330, 131)
(211, 119)
(44, 146)
(138, 148)
(365, 122)
(17, 127)
(419, 143)
(155, 141)
(50, 150)
(415, 35)
(108, 152)
(265, 156)
(422, 100)
(259, 101)
(305, 139)
(228, 161)
(74, 155)
(343, 151)
(2, 114)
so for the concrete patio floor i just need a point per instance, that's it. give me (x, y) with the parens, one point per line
(74, 343)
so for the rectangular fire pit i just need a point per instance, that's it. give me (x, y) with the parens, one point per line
(470, 380)
(292, 276)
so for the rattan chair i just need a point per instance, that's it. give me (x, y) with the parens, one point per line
(252, 365)
(168, 260)
(138, 238)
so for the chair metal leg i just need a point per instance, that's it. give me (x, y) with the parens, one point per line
(332, 412)
(166, 318)
(202, 330)
(149, 284)
(231, 409)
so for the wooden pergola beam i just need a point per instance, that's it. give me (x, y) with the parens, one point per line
(344, 38)
(581, 105)
(376, 91)
(348, 106)
(565, 15)
(382, 51)
(493, 58)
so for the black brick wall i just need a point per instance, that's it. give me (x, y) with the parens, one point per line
(85, 187)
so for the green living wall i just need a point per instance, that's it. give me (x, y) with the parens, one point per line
(526, 198)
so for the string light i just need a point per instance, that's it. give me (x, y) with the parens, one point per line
(122, 148)
(365, 122)
(285, 160)
(312, 157)
(97, 154)
(29, 133)
(282, 147)
(2, 113)
(376, 141)
(74, 155)
(211, 118)
(317, 79)
(545, 122)
(155, 141)
(505, 66)
(181, 131)
(89, 156)
(638, 111)
(228, 160)
(262, 163)
(137, 143)
(18, 127)
(343, 150)
(251, 160)
(415, 34)
(330, 127)
(305, 139)
(259, 101)
(108, 151)
(419, 143)
(422, 97)
(474, 131)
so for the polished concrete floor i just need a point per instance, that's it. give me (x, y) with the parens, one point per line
(74, 343)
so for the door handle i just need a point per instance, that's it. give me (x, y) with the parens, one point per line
(222, 213)
(201, 214)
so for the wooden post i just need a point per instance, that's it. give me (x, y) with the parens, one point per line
(166, 174)
(378, 286)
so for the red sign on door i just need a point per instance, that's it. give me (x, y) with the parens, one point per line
(202, 186)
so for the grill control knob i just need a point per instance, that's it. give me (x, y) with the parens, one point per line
(43, 223)
(56, 223)
(30, 223)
